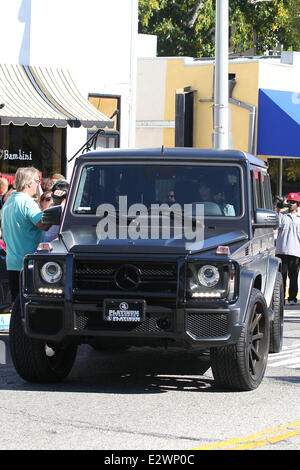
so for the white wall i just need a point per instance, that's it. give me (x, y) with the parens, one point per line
(146, 45)
(15, 31)
(277, 75)
(150, 110)
(94, 39)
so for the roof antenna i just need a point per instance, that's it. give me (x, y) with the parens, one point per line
(162, 149)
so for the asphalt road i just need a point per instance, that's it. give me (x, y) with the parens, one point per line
(146, 399)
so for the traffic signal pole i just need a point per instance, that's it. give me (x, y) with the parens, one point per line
(221, 105)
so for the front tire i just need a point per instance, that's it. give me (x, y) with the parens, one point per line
(241, 366)
(34, 359)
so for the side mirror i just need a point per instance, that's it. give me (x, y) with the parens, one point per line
(265, 218)
(52, 215)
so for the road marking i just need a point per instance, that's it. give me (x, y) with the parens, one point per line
(288, 357)
(259, 439)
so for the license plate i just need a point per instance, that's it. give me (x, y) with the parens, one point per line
(124, 311)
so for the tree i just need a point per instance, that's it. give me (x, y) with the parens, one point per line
(182, 27)
(187, 27)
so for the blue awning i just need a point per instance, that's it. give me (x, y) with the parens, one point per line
(278, 130)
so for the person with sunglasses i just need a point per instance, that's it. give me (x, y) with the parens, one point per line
(46, 200)
(21, 224)
(288, 245)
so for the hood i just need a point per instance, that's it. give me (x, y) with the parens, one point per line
(84, 240)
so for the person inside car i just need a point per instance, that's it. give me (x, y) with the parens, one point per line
(207, 194)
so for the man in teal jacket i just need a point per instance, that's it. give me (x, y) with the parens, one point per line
(21, 224)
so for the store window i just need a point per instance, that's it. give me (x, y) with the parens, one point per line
(110, 105)
(41, 147)
(285, 175)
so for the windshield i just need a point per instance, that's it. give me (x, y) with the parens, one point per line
(217, 187)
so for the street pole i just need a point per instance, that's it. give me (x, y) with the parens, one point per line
(221, 105)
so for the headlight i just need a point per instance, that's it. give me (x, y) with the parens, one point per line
(211, 281)
(208, 275)
(51, 272)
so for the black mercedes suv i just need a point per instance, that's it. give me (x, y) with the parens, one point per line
(163, 247)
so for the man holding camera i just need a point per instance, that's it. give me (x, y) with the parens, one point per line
(288, 244)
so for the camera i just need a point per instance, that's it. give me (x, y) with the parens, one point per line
(279, 202)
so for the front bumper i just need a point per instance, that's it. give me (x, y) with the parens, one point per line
(206, 327)
(168, 316)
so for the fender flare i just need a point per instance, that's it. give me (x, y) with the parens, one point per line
(246, 283)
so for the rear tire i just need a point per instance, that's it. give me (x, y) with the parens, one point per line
(241, 366)
(276, 326)
(34, 359)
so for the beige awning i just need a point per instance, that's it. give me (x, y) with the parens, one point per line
(45, 96)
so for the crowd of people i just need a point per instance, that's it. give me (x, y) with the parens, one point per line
(22, 207)
(43, 195)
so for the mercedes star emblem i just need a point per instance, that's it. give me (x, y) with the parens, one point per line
(128, 277)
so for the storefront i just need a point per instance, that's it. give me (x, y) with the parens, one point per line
(37, 107)
(278, 133)
(41, 147)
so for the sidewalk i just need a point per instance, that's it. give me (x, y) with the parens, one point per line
(295, 307)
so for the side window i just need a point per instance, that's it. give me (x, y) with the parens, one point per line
(255, 188)
(268, 192)
(265, 189)
(253, 194)
(258, 191)
(261, 190)
(261, 178)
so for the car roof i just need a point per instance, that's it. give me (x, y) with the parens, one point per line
(176, 153)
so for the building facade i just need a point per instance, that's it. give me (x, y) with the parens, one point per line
(68, 70)
(264, 108)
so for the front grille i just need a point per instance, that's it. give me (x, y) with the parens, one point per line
(101, 276)
(207, 325)
(153, 323)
